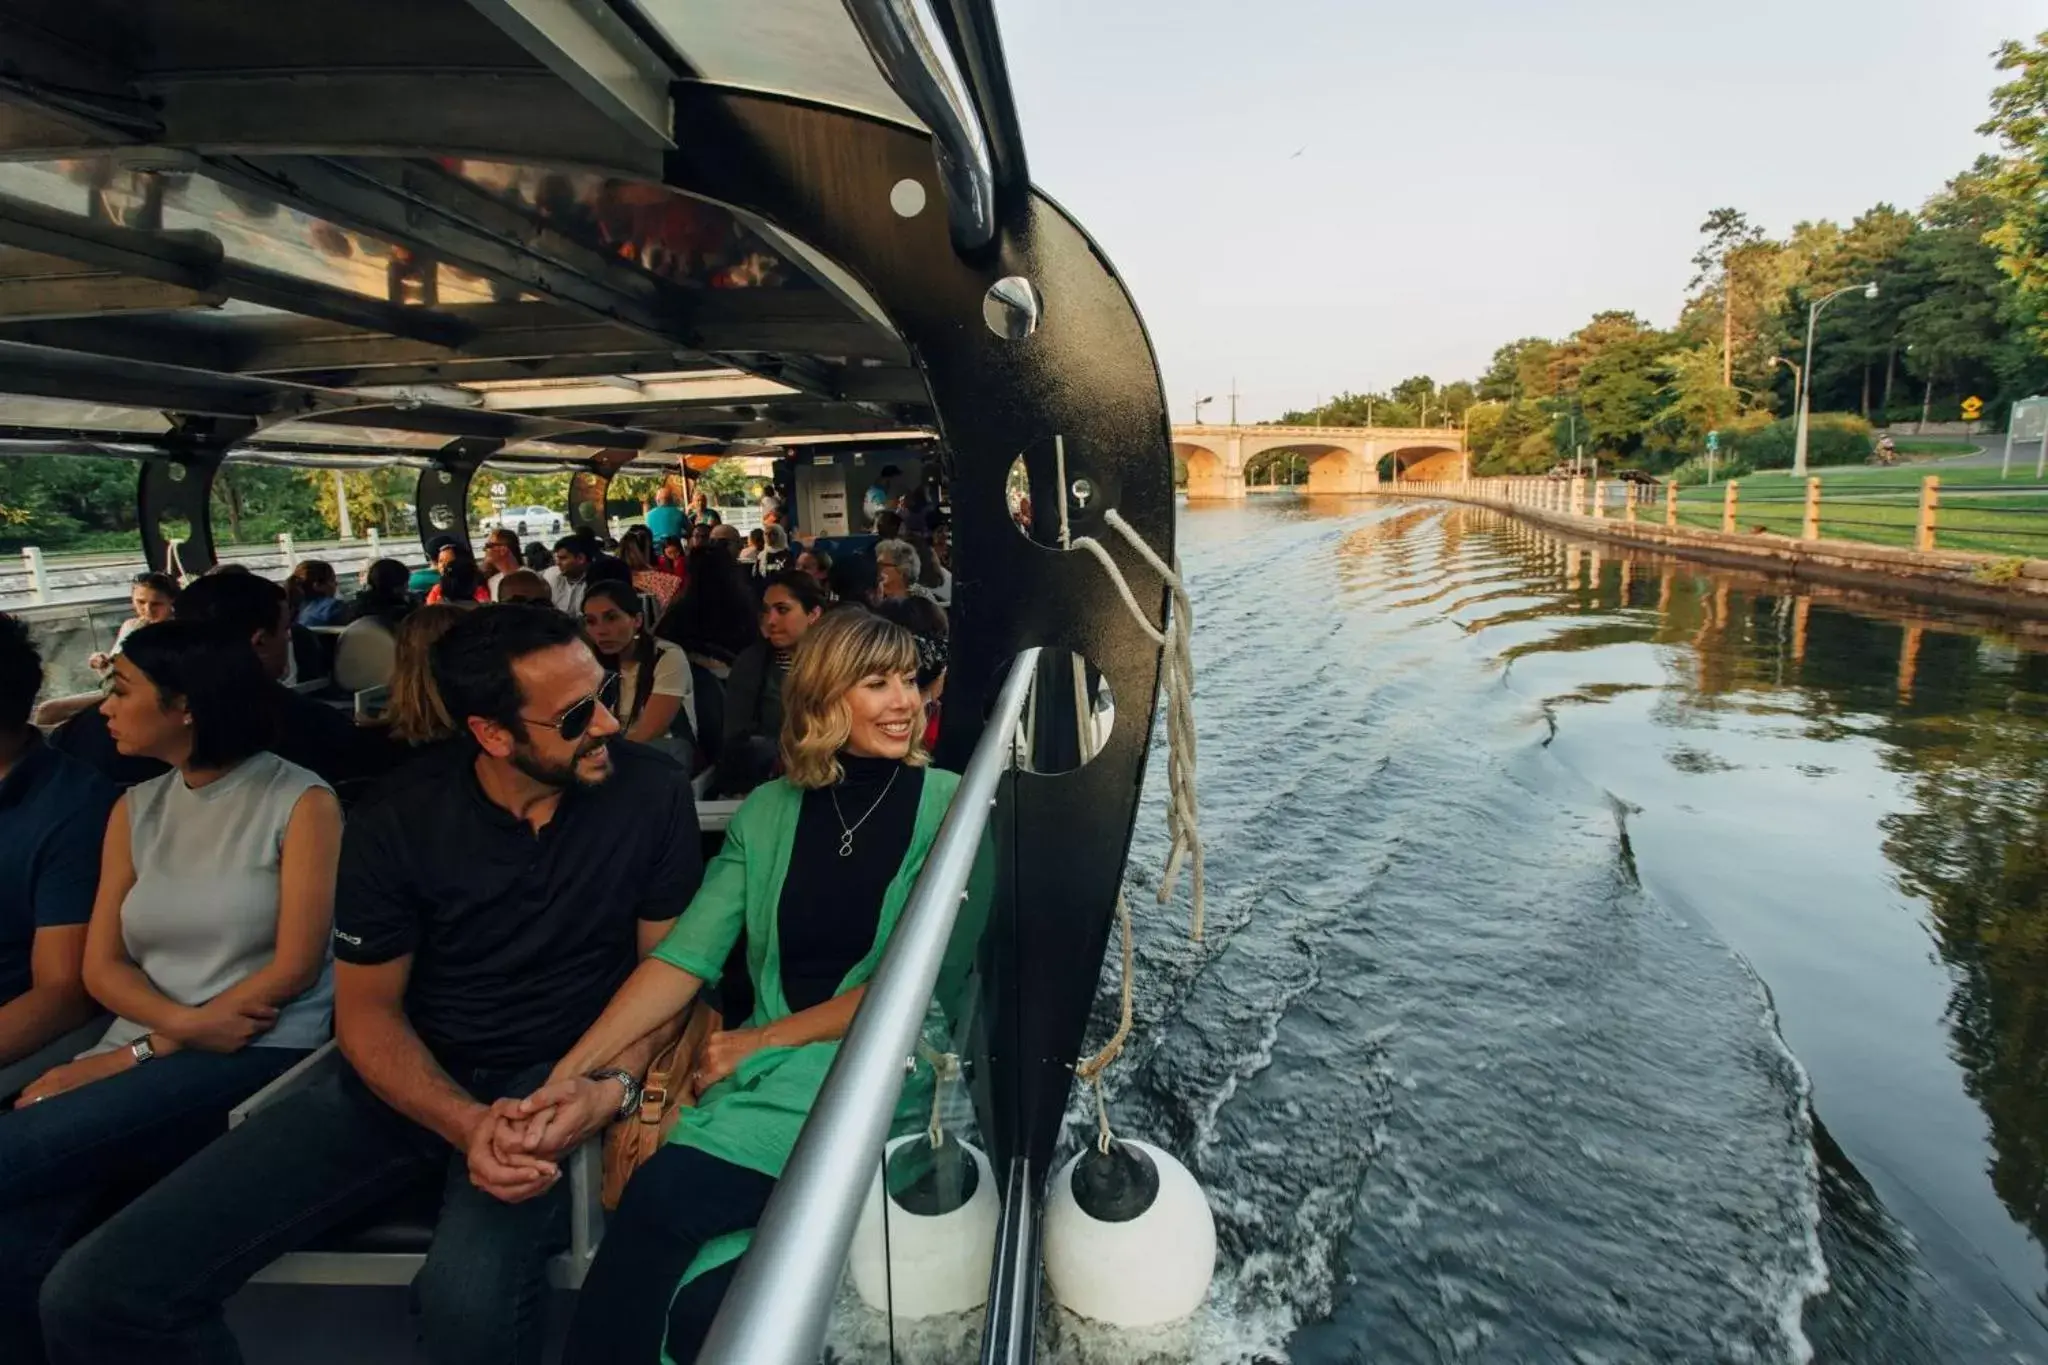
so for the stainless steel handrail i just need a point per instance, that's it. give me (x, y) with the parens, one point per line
(780, 1301)
(897, 39)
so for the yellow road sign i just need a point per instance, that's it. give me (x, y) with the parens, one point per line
(1973, 408)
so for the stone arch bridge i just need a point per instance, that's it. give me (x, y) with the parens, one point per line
(1341, 460)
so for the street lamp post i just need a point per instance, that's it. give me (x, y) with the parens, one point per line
(1201, 403)
(1805, 389)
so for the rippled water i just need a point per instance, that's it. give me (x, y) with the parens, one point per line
(1609, 958)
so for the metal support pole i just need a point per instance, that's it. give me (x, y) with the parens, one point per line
(2005, 464)
(1810, 528)
(341, 507)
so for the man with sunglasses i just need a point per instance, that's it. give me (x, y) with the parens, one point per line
(489, 902)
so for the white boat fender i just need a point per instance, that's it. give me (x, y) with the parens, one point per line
(933, 1256)
(1129, 1239)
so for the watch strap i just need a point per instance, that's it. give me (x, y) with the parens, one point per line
(628, 1082)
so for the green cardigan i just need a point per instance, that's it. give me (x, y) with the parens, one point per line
(752, 1118)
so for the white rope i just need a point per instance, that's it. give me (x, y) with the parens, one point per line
(1178, 668)
(1178, 677)
(945, 1070)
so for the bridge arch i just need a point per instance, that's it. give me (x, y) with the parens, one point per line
(1423, 463)
(1209, 474)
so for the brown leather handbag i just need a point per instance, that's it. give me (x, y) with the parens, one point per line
(639, 1135)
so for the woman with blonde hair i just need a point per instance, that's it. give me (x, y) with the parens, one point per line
(816, 869)
(416, 715)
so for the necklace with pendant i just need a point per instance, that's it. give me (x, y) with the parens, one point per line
(846, 830)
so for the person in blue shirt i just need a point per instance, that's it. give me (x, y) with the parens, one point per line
(53, 818)
(665, 519)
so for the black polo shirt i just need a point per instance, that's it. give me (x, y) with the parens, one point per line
(53, 821)
(517, 939)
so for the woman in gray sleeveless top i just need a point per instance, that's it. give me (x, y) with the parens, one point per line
(208, 942)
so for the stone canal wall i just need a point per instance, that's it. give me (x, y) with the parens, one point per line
(2000, 583)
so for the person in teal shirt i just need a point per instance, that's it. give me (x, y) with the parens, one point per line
(665, 520)
(816, 869)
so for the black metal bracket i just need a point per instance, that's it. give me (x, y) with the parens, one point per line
(442, 497)
(1086, 374)
(177, 486)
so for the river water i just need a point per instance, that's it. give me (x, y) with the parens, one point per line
(1610, 958)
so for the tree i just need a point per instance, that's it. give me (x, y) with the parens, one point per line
(1727, 232)
(1953, 333)
(2019, 119)
(1520, 369)
(725, 481)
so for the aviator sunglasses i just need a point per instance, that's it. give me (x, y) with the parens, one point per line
(571, 724)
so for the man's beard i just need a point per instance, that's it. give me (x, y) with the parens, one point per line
(561, 776)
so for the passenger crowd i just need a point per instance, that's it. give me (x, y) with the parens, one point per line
(452, 824)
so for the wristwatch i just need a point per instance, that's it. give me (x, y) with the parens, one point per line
(630, 1083)
(142, 1050)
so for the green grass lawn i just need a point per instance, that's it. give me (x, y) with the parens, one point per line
(1882, 507)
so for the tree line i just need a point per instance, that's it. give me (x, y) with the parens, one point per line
(88, 503)
(1960, 311)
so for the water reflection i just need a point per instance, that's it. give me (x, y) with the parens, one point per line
(1957, 709)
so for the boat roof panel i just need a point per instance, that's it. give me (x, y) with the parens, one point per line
(807, 48)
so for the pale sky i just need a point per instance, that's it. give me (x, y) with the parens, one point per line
(1473, 172)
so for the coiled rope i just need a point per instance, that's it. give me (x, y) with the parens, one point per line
(1182, 826)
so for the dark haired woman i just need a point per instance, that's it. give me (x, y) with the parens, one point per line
(816, 870)
(791, 604)
(152, 597)
(714, 619)
(637, 549)
(208, 940)
(460, 580)
(656, 705)
(312, 591)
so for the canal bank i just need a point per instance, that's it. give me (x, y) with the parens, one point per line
(1999, 584)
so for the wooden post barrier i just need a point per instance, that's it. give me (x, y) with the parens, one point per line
(1671, 503)
(1728, 505)
(1810, 528)
(1628, 504)
(1930, 499)
(1578, 494)
(1599, 499)
(32, 564)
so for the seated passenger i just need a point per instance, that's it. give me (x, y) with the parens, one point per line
(314, 594)
(524, 586)
(790, 605)
(854, 581)
(440, 554)
(715, 618)
(656, 705)
(501, 556)
(637, 549)
(310, 734)
(364, 652)
(752, 547)
(53, 818)
(537, 556)
(817, 564)
(897, 566)
(460, 581)
(489, 904)
(570, 574)
(151, 595)
(852, 823)
(208, 940)
(416, 717)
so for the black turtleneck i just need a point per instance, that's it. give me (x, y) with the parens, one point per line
(830, 905)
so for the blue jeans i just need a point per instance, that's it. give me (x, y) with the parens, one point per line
(148, 1285)
(68, 1161)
